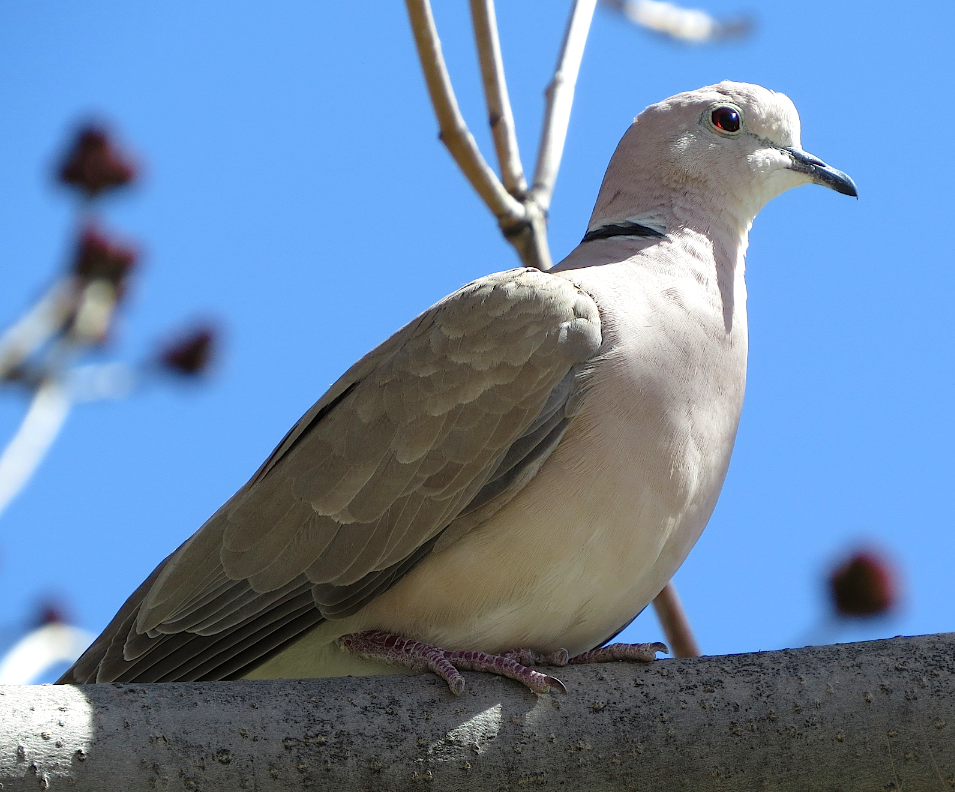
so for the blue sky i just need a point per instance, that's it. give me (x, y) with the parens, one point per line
(295, 191)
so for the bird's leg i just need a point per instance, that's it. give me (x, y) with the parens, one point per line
(419, 656)
(644, 653)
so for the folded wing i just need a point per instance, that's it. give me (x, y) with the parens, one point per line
(420, 441)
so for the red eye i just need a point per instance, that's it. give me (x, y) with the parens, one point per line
(725, 118)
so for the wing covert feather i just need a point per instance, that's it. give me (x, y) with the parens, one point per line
(474, 372)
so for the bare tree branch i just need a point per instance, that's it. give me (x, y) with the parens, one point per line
(40, 426)
(688, 25)
(40, 650)
(869, 716)
(675, 624)
(87, 310)
(498, 103)
(37, 326)
(454, 132)
(560, 99)
(523, 222)
(529, 237)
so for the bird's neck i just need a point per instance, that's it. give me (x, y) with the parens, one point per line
(715, 216)
(708, 234)
(712, 228)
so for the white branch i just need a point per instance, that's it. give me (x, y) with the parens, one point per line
(495, 91)
(90, 312)
(560, 99)
(689, 25)
(99, 381)
(529, 237)
(523, 222)
(29, 445)
(869, 716)
(37, 326)
(454, 132)
(41, 649)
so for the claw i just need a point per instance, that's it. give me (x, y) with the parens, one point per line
(556, 684)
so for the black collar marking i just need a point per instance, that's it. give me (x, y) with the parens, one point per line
(621, 229)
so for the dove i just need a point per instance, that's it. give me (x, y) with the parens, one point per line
(508, 480)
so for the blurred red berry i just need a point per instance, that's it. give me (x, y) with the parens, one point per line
(192, 352)
(50, 612)
(98, 256)
(94, 164)
(865, 585)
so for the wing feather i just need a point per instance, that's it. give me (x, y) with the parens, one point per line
(418, 442)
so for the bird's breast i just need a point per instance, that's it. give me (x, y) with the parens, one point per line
(615, 509)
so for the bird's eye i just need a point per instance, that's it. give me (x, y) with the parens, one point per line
(726, 119)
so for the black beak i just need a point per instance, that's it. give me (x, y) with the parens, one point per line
(820, 173)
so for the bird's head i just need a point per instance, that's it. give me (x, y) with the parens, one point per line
(731, 144)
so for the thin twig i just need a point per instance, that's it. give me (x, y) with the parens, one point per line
(37, 326)
(688, 25)
(523, 222)
(495, 91)
(560, 99)
(454, 132)
(675, 624)
(29, 445)
(90, 314)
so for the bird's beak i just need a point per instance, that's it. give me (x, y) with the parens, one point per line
(820, 173)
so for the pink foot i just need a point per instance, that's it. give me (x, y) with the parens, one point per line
(418, 656)
(645, 653)
(529, 657)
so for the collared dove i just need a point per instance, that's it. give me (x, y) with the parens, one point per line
(514, 475)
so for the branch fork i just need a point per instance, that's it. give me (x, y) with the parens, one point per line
(521, 213)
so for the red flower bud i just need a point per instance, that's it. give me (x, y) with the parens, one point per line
(50, 612)
(865, 585)
(94, 164)
(97, 256)
(192, 352)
